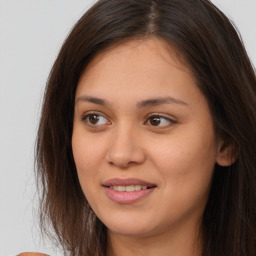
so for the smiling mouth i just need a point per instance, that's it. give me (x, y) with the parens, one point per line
(130, 188)
(127, 191)
(128, 194)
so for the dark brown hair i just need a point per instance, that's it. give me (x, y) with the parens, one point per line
(208, 41)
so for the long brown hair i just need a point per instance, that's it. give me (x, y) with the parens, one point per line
(213, 49)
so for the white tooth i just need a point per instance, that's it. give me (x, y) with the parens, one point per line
(121, 188)
(129, 188)
(137, 187)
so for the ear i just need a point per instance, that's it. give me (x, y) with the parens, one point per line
(227, 153)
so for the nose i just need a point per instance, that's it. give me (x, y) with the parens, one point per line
(125, 148)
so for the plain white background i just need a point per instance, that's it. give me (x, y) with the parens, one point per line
(32, 32)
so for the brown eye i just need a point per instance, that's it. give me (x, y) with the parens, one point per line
(159, 121)
(95, 119)
(155, 121)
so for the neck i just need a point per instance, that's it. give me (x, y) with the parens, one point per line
(175, 243)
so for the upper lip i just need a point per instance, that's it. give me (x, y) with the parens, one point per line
(127, 182)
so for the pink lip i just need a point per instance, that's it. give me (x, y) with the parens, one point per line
(127, 197)
(127, 182)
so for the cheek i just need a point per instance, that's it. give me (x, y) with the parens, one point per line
(185, 149)
(186, 164)
(88, 157)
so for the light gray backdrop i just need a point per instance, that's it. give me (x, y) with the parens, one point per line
(31, 33)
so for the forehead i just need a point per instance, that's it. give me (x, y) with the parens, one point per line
(136, 58)
(158, 46)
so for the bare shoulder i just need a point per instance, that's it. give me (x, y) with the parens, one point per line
(32, 254)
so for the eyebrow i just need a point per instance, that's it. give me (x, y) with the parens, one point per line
(94, 100)
(159, 101)
(139, 105)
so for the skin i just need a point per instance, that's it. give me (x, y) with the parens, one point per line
(178, 153)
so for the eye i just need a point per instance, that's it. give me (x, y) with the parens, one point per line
(94, 119)
(159, 121)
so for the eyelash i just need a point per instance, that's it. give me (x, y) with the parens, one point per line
(85, 117)
(160, 116)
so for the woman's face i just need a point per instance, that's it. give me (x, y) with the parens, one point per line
(143, 140)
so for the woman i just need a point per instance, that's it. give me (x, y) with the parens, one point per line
(146, 144)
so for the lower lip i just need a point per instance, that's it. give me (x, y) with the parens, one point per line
(127, 197)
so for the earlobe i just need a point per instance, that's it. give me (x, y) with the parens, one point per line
(227, 153)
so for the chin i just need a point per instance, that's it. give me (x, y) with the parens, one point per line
(130, 228)
(129, 231)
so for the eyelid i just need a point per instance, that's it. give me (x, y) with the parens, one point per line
(161, 115)
(86, 114)
(171, 119)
